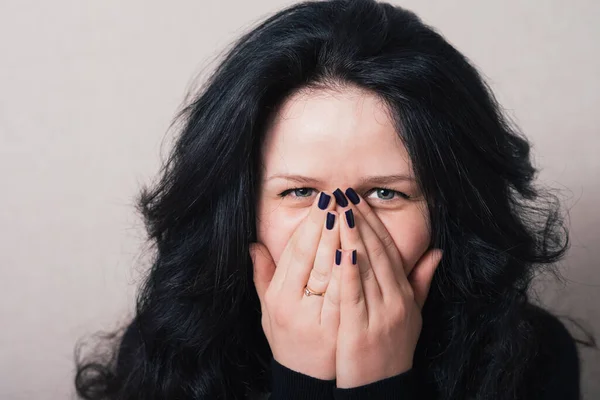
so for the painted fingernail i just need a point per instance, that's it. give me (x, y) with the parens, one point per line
(324, 200)
(350, 218)
(330, 221)
(353, 257)
(352, 196)
(340, 198)
(338, 257)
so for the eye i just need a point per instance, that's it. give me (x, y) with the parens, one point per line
(298, 192)
(387, 194)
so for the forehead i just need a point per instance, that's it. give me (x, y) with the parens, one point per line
(345, 132)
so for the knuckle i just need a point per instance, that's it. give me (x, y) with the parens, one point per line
(379, 251)
(387, 240)
(280, 316)
(366, 212)
(410, 292)
(400, 311)
(367, 275)
(319, 276)
(405, 292)
(299, 252)
(332, 303)
(353, 298)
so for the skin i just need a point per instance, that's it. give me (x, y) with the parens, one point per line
(366, 326)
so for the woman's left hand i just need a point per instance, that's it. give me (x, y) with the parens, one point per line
(380, 307)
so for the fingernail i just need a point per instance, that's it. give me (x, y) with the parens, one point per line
(352, 196)
(330, 220)
(338, 257)
(350, 218)
(353, 257)
(324, 200)
(340, 198)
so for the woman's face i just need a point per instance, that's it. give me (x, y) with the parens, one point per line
(323, 140)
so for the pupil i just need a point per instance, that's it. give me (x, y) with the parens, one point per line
(384, 193)
(301, 192)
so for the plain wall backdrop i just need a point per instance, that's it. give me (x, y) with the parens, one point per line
(88, 89)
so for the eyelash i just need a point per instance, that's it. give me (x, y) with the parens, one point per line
(285, 193)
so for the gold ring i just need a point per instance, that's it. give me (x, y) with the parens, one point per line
(308, 292)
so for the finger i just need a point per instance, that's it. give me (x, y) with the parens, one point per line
(330, 241)
(380, 230)
(379, 260)
(322, 201)
(300, 255)
(353, 304)
(350, 239)
(263, 268)
(330, 312)
(422, 274)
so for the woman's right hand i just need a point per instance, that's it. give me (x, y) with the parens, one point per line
(302, 330)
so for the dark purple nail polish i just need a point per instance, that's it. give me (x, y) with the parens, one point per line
(351, 194)
(353, 257)
(324, 200)
(340, 198)
(338, 257)
(350, 218)
(330, 221)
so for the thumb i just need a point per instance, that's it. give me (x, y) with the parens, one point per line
(263, 268)
(422, 274)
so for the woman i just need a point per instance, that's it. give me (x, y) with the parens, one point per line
(346, 215)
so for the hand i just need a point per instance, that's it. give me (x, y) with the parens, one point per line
(302, 330)
(380, 308)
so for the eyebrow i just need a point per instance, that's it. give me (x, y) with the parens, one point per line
(375, 179)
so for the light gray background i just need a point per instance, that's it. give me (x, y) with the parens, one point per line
(88, 89)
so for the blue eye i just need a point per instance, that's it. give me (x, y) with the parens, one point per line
(388, 194)
(298, 192)
(385, 194)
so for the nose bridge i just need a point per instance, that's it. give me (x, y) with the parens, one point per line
(341, 184)
(342, 175)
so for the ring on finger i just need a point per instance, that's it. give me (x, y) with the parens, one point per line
(309, 292)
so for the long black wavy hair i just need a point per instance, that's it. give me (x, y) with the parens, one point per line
(197, 334)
